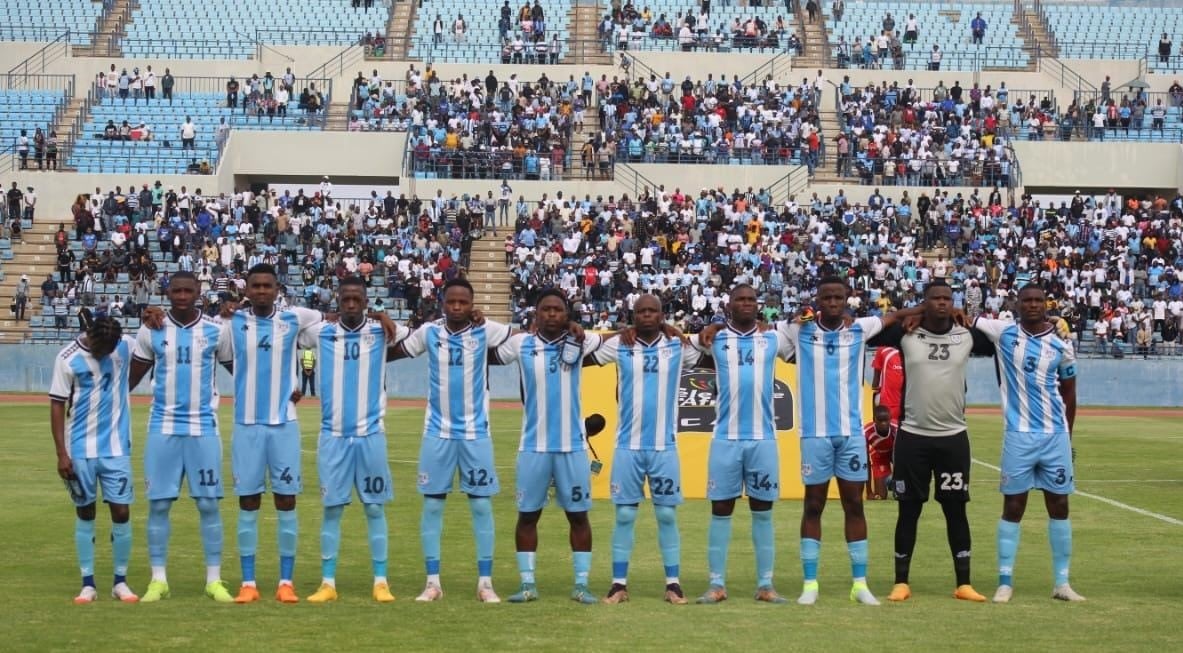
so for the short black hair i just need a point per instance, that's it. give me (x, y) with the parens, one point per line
(553, 292)
(458, 282)
(834, 280)
(262, 268)
(1032, 286)
(882, 410)
(741, 286)
(352, 281)
(936, 283)
(183, 274)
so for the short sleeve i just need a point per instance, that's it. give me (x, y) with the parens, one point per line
(62, 383)
(608, 352)
(226, 341)
(786, 346)
(1067, 369)
(871, 326)
(416, 343)
(691, 356)
(992, 329)
(143, 350)
(510, 350)
(306, 317)
(892, 336)
(308, 338)
(696, 344)
(496, 333)
(591, 343)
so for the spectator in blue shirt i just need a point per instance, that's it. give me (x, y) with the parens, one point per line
(978, 28)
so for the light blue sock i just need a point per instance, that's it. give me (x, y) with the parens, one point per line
(1059, 535)
(765, 546)
(810, 549)
(670, 541)
(159, 526)
(482, 530)
(288, 531)
(858, 559)
(430, 526)
(526, 567)
(248, 542)
(718, 541)
(1008, 548)
(330, 541)
(622, 542)
(581, 560)
(121, 548)
(84, 543)
(211, 530)
(376, 528)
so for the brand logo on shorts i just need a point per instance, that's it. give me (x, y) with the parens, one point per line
(900, 488)
(711, 484)
(806, 469)
(616, 489)
(423, 478)
(324, 491)
(518, 496)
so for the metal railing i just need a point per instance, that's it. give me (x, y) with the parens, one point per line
(1102, 50)
(35, 64)
(970, 59)
(338, 64)
(783, 61)
(131, 157)
(794, 182)
(631, 178)
(1068, 78)
(217, 86)
(40, 33)
(37, 82)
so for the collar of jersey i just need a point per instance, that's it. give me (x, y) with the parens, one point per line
(1041, 334)
(468, 327)
(551, 342)
(731, 327)
(361, 326)
(190, 325)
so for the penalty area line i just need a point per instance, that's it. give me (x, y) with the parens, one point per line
(1107, 500)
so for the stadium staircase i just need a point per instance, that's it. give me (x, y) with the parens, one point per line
(591, 124)
(68, 118)
(584, 19)
(109, 31)
(35, 256)
(490, 277)
(400, 29)
(1038, 41)
(816, 38)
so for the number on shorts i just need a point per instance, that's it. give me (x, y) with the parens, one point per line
(286, 475)
(374, 484)
(478, 477)
(661, 486)
(577, 494)
(855, 465)
(123, 485)
(1061, 476)
(938, 352)
(760, 481)
(952, 482)
(206, 478)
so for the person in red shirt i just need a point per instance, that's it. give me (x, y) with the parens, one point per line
(888, 380)
(880, 436)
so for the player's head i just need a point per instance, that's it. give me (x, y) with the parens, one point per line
(458, 296)
(938, 300)
(351, 299)
(1032, 304)
(552, 311)
(262, 286)
(647, 315)
(742, 305)
(882, 419)
(832, 292)
(182, 291)
(102, 334)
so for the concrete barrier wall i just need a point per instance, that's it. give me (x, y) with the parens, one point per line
(1103, 382)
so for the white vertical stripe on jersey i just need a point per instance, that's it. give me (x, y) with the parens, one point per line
(252, 367)
(817, 349)
(843, 383)
(1024, 398)
(93, 399)
(565, 400)
(667, 367)
(542, 432)
(172, 355)
(757, 399)
(363, 378)
(468, 370)
(279, 341)
(338, 381)
(196, 355)
(638, 395)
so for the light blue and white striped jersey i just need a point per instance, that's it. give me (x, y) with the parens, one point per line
(553, 417)
(96, 390)
(352, 385)
(458, 377)
(1031, 367)
(745, 373)
(647, 380)
(830, 375)
(185, 395)
(265, 357)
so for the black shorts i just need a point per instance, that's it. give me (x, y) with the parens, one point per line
(918, 459)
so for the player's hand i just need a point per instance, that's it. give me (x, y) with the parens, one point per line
(960, 318)
(1063, 329)
(910, 324)
(153, 318)
(476, 316)
(707, 335)
(672, 332)
(628, 336)
(331, 318)
(228, 308)
(388, 325)
(803, 316)
(576, 331)
(296, 396)
(65, 467)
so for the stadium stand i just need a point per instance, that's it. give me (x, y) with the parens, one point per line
(683, 25)
(37, 20)
(454, 31)
(24, 116)
(1125, 32)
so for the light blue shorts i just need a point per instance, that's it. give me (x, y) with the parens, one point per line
(265, 450)
(738, 467)
(441, 458)
(347, 463)
(825, 458)
(570, 473)
(112, 474)
(1037, 461)
(630, 469)
(169, 459)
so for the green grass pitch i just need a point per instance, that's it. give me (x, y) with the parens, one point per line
(1126, 563)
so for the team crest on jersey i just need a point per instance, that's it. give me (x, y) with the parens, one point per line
(668, 352)
(282, 327)
(956, 338)
(846, 338)
(761, 343)
(469, 344)
(369, 338)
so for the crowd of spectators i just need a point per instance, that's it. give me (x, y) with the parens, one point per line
(627, 27)
(1113, 267)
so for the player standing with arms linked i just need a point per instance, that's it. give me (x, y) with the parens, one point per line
(553, 444)
(351, 451)
(89, 401)
(1037, 372)
(183, 439)
(744, 456)
(456, 430)
(933, 440)
(648, 375)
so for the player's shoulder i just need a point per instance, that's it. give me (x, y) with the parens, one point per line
(70, 350)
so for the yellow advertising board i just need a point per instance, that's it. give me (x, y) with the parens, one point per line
(696, 416)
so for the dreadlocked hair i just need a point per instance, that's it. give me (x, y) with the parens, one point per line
(106, 330)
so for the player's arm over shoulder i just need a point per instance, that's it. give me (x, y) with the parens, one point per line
(990, 327)
(508, 351)
(608, 352)
(308, 338)
(888, 337)
(870, 326)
